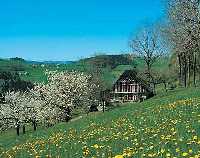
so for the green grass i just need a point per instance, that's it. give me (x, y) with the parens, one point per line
(167, 125)
(35, 75)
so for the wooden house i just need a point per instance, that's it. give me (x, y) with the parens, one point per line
(129, 87)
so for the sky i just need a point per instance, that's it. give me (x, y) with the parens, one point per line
(71, 29)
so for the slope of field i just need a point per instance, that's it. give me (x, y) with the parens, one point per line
(167, 125)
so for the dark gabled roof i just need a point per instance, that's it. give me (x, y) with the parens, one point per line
(133, 75)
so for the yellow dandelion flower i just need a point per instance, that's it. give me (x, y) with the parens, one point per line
(150, 155)
(168, 154)
(184, 154)
(119, 156)
(96, 146)
(128, 152)
(197, 156)
(177, 149)
(86, 151)
(195, 138)
(141, 148)
(162, 151)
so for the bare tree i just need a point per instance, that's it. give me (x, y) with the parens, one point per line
(147, 45)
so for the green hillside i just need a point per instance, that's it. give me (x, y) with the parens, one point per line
(164, 126)
(13, 65)
(111, 66)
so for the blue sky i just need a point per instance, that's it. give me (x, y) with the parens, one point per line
(71, 29)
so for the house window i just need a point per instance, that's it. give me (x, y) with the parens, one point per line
(120, 87)
(124, 87)
(129, 88)
(140, 88)
(133, 88)
(136, 86)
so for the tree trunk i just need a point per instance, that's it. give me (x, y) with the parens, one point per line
(185, 76)
(185, 71)
(154, 84)
(180, 69)
(34, 125)
(189, 69)
(24, 129)
(165, 85)
(198, 70)
(149, 71)
(67, 114)
(17, 129)
(194, 73)
(104, 103)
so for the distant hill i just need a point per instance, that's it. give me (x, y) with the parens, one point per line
(50, 62)
(13, 65)
(110, 66)
(111, 61)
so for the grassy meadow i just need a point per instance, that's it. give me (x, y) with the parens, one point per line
(167, 125)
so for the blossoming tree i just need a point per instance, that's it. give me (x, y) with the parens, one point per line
(67, 90)
(48, 103)
(21, 108)
(13, 113)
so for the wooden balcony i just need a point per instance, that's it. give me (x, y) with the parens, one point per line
(127, 92)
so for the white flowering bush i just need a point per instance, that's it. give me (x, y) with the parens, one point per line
(21, 108)
(13, 112)
(48, 103)
(67, 90)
